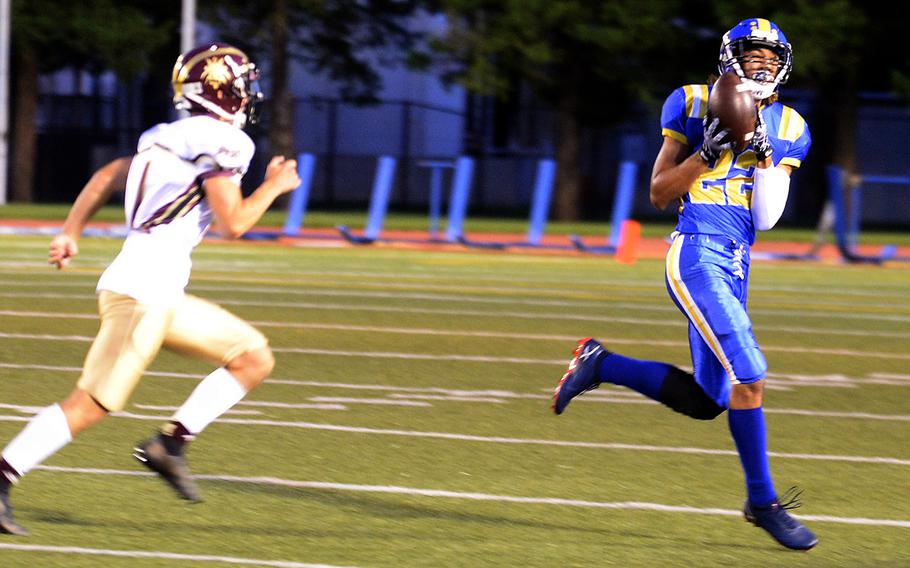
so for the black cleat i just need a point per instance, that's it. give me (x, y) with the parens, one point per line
(172, 468)
(7, 524)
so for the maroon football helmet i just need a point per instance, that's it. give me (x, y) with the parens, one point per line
(218, 80)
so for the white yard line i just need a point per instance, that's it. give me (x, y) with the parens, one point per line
(892, 377)
(877, 460)
(555, 443)
(23, 408)
(292, 405)
(67, 369)
(441, 493)
(443, 273)
(447, 398)
(490, 359)
(514, 441)
(562, 362)
(480, 333)
(768, 410)
(607, 395)
(833, 414)
(420, 356)
(589, 298)
(664, 307)
(375, 401)
(232, 411)
(47, 337)
(80, 550)
(61, 315)
(555, 337)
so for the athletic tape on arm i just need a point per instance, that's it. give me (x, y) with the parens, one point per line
(769, 196)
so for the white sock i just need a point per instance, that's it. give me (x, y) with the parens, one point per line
(214, 396)
(44, 435)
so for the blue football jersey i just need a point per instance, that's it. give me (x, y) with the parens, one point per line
(718, 201)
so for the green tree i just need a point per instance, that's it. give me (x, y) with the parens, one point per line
(594, 62)
(48, 35)
(828, 40)
(840, 47)
(342, 39)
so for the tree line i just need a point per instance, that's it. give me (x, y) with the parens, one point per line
(594, 63)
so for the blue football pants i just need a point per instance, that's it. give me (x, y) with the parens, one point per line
(707, 277)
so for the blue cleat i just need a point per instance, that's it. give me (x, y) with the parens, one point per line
(779, 524)
(582, 374)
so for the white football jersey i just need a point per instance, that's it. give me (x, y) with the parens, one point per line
(166, 210)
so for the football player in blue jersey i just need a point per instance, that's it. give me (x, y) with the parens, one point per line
(724, 196)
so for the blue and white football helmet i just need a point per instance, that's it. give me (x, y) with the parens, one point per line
(751, 34)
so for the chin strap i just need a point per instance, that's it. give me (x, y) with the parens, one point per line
(238, 119)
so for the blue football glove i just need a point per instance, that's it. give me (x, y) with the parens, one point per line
(761, 144)
(717, 140)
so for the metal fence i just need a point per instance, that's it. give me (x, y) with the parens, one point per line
(77, 134)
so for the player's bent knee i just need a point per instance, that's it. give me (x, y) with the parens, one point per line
(681, 393)
(265, 361)
(747, 395)
(750, 362)
(82, 410)
(253, 366)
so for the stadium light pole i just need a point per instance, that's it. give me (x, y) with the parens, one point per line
(5, 11)
(187, 35)
(187, 39)
(188, 26)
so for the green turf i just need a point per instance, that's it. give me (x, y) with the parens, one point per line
(835, 337)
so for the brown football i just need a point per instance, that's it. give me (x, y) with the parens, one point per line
(731, 101)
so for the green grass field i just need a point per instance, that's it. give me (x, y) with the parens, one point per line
(407, 422)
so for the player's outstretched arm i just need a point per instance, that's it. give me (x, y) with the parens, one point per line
(235, 214)
(96, 193)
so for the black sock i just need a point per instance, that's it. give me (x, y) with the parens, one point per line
(175, 436)
(8, 476)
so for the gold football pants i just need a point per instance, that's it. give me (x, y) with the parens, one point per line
(132, 333)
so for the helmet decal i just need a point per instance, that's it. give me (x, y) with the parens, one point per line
(215, 73)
